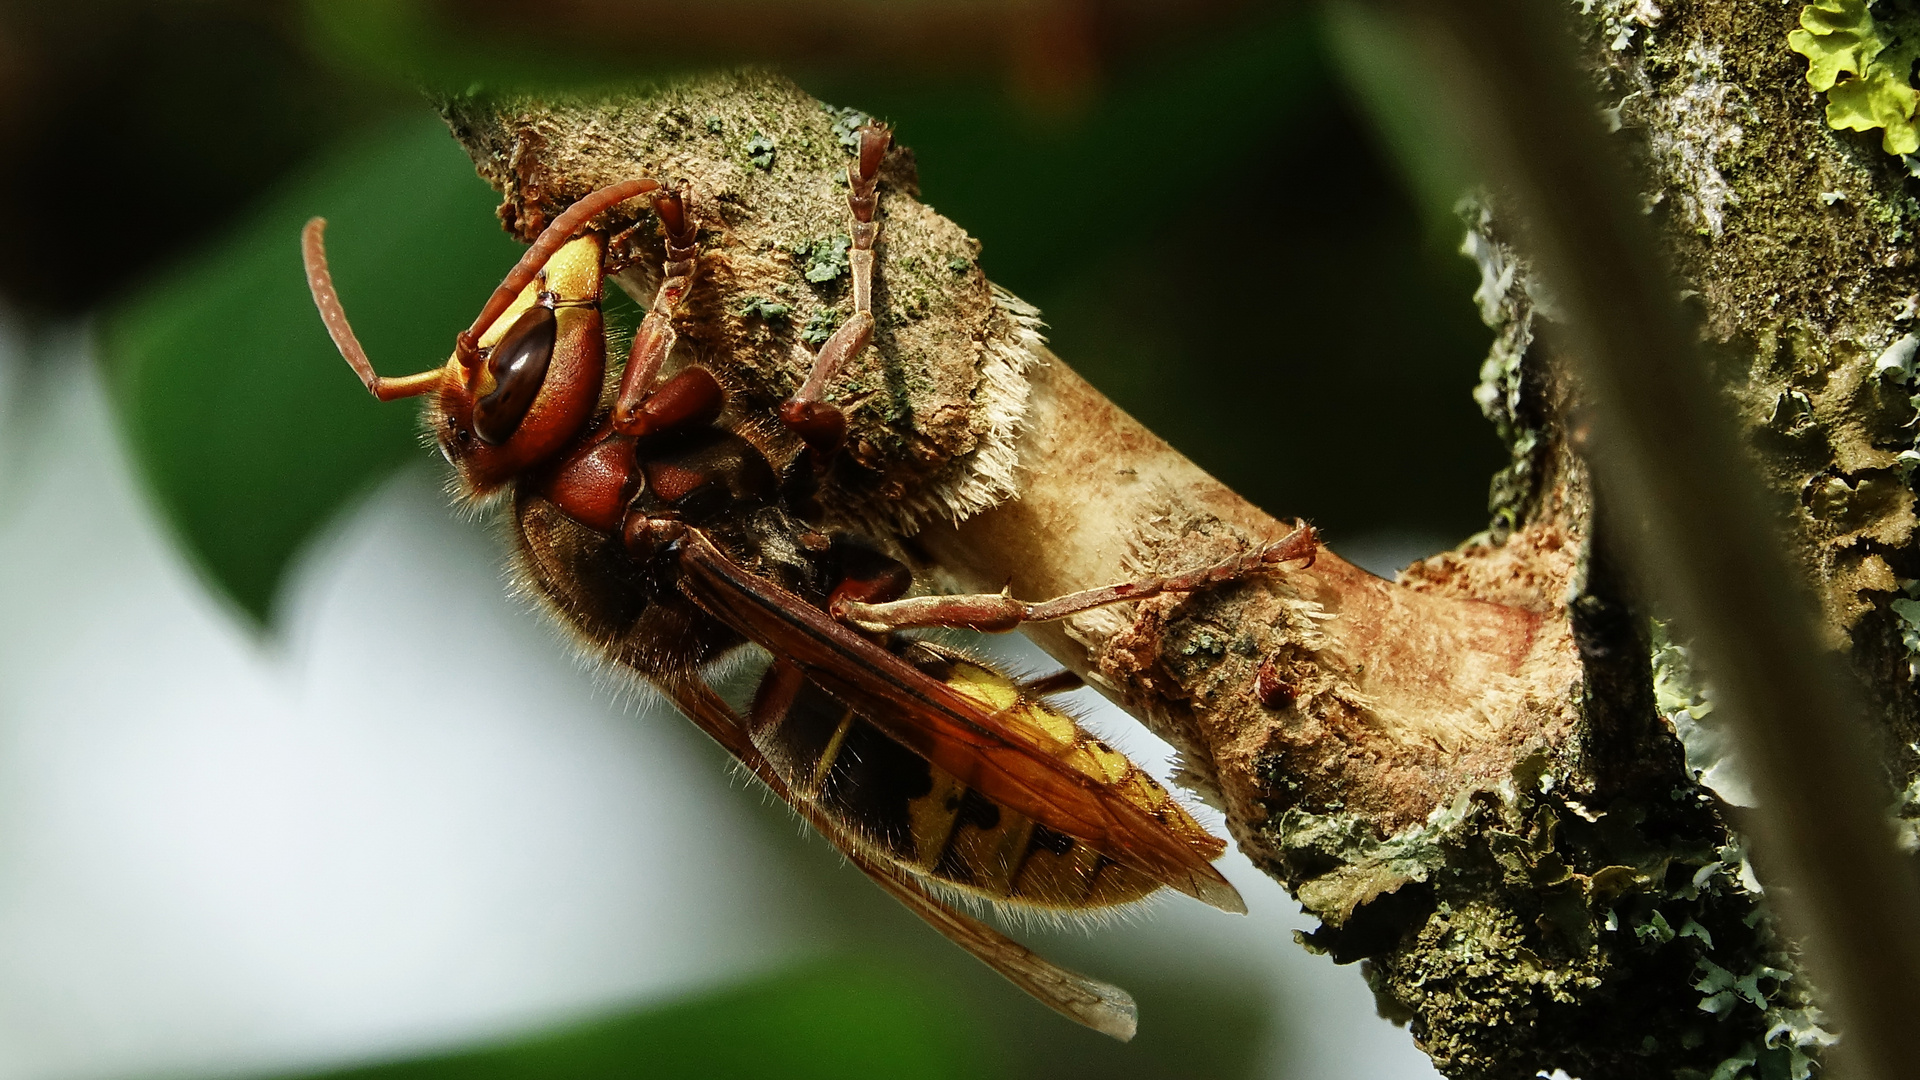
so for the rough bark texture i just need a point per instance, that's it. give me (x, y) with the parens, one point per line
(1470, 785)
(1472, 775)
(932, 406)
(1798, 243)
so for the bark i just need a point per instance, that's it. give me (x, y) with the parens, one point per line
(1473, 776)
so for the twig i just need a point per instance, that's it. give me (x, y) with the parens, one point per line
(1711, 546)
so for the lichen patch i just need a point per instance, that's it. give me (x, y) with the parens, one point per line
(932, 405)
(1702, 122)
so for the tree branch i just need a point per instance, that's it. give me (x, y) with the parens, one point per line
(1707, 540)
(1463, 774)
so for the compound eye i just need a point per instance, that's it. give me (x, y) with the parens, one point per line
(519, 367)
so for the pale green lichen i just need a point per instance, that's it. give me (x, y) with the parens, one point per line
(1760, 977)
(759, 307)
(1622, 20)
(1864, 64)
(820, 326)
(1794, 1038)
(846, 126)
(1907, 608)
(1798, 1032)
(826, 259)
(1584, 931)
(1906, 813)
(1507, 307)
(760, 151)
(1724, 990)
(1896, 365)
(1684, 698)
(1371, 865)
(1698, 129)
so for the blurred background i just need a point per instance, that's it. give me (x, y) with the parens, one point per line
(288, 784)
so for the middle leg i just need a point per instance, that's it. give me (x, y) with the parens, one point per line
(807, 413)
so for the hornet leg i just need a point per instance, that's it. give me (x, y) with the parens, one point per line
(996, 613)
(656, 335)
(817, 421)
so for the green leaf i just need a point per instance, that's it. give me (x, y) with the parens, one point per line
(248, 428)
(842, 1021)
(1379, 57)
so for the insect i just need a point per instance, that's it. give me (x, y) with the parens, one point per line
(668, 538)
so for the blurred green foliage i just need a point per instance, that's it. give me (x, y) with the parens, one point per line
(1246, 239)
(1207, 1024)
(1382, 64)
(250, 430)
(1212, 230)
(408, 41)
(857, 1017)
(836, 1021)
(1052, 193)
(135, 130)
(1211, 234)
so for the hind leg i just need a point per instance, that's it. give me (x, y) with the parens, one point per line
(995, 613)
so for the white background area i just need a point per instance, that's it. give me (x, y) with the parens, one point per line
(407, 819)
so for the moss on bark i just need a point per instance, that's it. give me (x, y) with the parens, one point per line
(1469, 778)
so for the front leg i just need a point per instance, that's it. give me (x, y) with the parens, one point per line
(997, 613)
(656, 335)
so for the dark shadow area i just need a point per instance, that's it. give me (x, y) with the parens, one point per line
(1299, 342)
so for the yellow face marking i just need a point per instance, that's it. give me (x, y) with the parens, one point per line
(572, 274)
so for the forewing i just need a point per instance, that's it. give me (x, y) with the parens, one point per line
(1101, 1006)
(1043, 724)
(1015, 764)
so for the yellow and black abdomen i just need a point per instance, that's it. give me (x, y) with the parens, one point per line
(920, 816)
